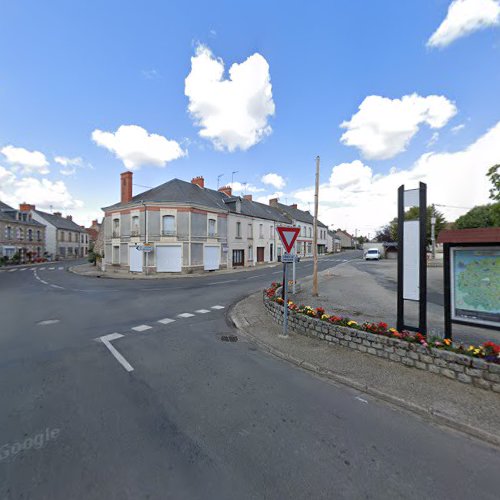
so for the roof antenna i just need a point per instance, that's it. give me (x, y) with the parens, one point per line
(245, 187)
(218, 180)
(232, 177)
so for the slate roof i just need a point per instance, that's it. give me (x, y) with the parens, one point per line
(60, 222)
(177, 191)
(262, 211)
(9, 214)
(300, 215)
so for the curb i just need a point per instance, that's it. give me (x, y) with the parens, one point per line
(428, 413)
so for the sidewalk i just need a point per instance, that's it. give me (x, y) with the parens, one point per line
(445, 402)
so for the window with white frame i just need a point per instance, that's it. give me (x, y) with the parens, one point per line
(168, 225)
(250, 231)
(250, 253)
(116, 228)
(261, 230)
(8, 232)
(238, 230)
(310, 232)
(212, 228)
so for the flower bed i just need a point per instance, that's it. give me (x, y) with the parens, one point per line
(479, 365)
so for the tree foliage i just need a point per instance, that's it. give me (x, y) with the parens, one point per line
(480, 216)
(494, 176)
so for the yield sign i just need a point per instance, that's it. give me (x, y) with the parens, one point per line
(288, 236)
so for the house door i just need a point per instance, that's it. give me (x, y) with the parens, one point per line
(260, 254)
(271, 248)
(211, 258)
(238, 258)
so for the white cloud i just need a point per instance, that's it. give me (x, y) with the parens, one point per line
(457, 128)
(356, 198)
(232, 113)
(465, 17)
(6, 177)
(135, 147)
(383, 127)
(25, 160)
(244, 187)
(265, 199)
(69, 164)
(434, 138)
(274, 180)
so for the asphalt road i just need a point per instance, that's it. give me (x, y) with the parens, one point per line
(174, 412)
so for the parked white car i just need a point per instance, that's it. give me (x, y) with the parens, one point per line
(373, 254)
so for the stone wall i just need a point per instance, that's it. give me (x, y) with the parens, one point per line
(465, 369)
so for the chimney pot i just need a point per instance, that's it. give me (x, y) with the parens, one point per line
(57, 214)
(248, 197)
(126, 186)
(199, 181)
(226, 190)
(273, 202)
(69, 217)
(26, 207)
(94, 222)
(294, 205)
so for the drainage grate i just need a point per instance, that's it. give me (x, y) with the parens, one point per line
(229, 338)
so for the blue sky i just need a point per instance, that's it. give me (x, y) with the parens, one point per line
(70, 68)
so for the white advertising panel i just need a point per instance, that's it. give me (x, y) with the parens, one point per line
(411, 260)
(412, 198)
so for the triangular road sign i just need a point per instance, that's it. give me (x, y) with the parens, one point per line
(288, 236)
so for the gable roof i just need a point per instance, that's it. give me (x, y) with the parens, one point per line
(4, 206)
(9, 214)
(299, 215)
(262, 211)
(59, 222)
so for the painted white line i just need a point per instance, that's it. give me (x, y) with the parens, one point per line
(221, 282)
(44, 282)
(51, 268)
(361, 399)
(141, 328)
(60, 268)
(106, 340)
(41, 268)
(185, 315)
(12, 270)
(166, 321)
(202, 311)
(217, 307)
(276, 272)
(24, 269)
(57, 286)
(48, 322)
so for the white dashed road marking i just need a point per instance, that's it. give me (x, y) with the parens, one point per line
(41, 268)
(166, 321)
(221, 282)
(12, 270)
(361, 399)
(106, 340)
(217, 307)
(60, 268)
(51, 268)
(202, 311)
(141, 328)
(48, 322)
(57, 286)
(24, 269)
(185, 315)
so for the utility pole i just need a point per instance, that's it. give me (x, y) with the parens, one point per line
(315, 233)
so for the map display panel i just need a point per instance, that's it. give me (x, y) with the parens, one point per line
(475, 284)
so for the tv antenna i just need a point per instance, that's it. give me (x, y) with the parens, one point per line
(218, 180)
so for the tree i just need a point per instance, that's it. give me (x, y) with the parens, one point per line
(494, 176)
(480, 216)
(384, 234)
(413, 214)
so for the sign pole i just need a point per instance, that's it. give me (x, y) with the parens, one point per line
(285, 303)
(293, 274)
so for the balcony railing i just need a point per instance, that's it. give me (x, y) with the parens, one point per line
(116, 234)
(166, 232)
(213, 235)
(135, 232)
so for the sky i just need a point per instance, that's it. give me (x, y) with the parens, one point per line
(384, 92)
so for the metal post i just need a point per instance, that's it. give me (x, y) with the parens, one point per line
(293, 269)
(422, 323)
(285, 303)
(315, 235)
(447, 292)
(433, 237)
(401, 217)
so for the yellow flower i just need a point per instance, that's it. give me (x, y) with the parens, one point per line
(350, 323)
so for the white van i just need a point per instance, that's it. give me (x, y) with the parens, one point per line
(373, 254)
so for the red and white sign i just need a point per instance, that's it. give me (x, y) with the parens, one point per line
(288, 236)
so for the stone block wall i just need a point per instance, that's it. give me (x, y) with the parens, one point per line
(465, 369)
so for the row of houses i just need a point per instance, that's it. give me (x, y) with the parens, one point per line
(183, 226)
(28, 234)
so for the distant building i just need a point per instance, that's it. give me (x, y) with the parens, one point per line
(346, 240)
(20, 233)
(305, 221)
(93, 232)
(64, 239)
(333, 242)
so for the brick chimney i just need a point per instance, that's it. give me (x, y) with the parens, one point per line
(126, 186)
(248, 197)
(273, 202)
(69, 217)
(26, 207)
(226, 190)
(294, 205)
(94, 223)
(57, 214)
(199, 181)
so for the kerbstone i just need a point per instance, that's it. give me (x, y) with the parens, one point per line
(464, 378)
(448, 373)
